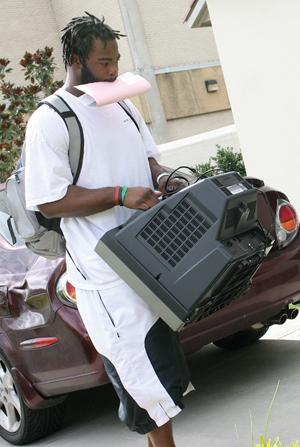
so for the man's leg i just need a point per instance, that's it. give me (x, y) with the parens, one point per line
(161, 436)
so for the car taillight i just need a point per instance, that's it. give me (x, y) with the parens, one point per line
(65, 291)
(71, 291)
(287, 223)
(288, 217)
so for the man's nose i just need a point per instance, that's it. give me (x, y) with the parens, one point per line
(113, 70)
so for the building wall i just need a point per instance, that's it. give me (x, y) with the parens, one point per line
(198, 148)
(32, 24)
(171, 42)
(193, 125)
(263, 86)
(27, 25)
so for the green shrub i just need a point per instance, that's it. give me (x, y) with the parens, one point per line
(225, 160)
(18, 102)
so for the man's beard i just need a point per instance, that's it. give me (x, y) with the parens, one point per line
(86, 76)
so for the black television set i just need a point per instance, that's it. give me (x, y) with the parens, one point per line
(192, 253)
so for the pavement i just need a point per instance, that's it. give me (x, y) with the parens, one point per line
(230, 386)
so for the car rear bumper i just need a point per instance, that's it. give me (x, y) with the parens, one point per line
(75, 383)
(275, 285)
(32, 398)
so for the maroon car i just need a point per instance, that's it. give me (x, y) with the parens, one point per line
(45, 352)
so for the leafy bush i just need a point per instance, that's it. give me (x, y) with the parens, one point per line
(18, 102)
(225, 160)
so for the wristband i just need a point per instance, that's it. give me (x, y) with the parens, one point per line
(122, 193)
(124, 190)
(163, 174)
(117, 194)
(120, 197)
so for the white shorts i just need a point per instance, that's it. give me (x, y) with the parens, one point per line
(141, 354)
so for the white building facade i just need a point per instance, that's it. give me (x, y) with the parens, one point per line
(258, 44)
(182, 60)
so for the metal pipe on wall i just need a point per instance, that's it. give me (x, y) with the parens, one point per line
(142, 62)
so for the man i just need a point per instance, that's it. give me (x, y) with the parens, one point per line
(140, 353)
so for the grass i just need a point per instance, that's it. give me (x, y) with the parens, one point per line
(264, 441)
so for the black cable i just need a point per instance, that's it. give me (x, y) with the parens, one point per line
(266, 235)
(181, 177)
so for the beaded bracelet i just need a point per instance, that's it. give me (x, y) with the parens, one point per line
(122, 190)
(123, 193)
(117, 194)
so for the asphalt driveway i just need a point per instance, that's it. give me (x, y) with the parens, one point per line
(229, 386)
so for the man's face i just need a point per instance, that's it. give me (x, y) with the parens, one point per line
(101, 63)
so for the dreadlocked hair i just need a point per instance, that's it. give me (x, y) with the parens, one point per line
(79, 34)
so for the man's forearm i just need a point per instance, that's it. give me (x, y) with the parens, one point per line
(80, 202)
(156, 169)
(161, 178)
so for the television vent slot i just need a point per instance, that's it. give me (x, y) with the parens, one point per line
(172, 235)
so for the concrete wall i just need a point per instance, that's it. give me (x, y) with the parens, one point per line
(258, 43)
(194, 125)
(171, 42)
(27, 25)
(31, 24)
(198, 148)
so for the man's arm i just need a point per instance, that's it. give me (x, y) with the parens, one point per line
(156, 171)
(79, 202)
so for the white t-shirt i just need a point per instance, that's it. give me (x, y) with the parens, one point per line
(115, 153)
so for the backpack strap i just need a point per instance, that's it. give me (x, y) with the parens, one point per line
(127, 110)
(76, 138)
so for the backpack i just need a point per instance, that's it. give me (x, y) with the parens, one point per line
(41, 235)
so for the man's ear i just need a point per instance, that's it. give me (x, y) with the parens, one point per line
(76, 61)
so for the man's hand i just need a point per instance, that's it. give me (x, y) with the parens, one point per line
(140, 198)
(172, 185)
